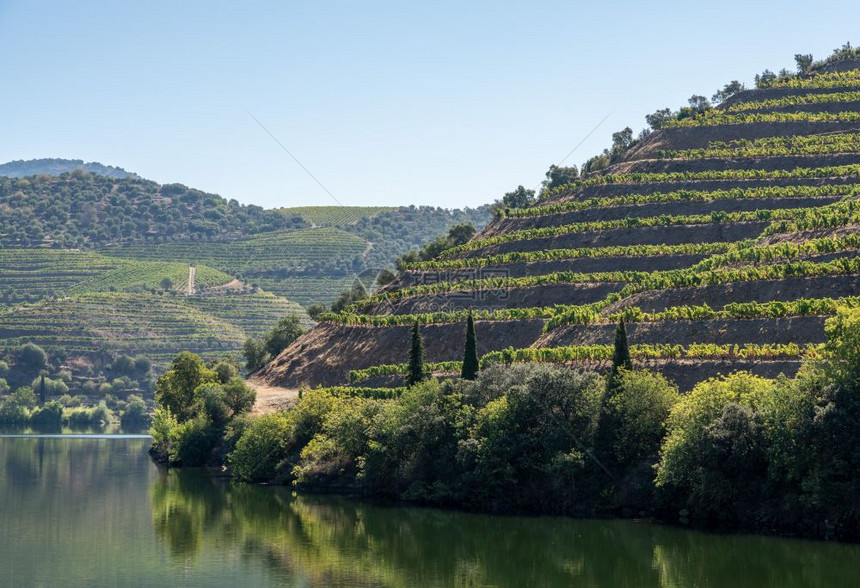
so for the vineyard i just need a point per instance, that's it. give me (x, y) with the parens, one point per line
(639, 222)
(798, 100)
(153, 325)
(682, 196)
(334, 216)
(739, 283)
(772, 146)
(603, 353)
(721, 118)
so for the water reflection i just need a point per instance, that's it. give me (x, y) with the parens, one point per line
(325, 541)
(96, 512)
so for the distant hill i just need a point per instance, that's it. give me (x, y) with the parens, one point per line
(92, 266)
(55, 167)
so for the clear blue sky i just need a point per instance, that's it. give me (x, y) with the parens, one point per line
(443, 103)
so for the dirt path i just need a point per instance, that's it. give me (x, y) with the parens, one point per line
(271, 399)
(192, 279)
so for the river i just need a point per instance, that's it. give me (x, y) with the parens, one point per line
(94, 511)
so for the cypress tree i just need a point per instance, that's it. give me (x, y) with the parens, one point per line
(470, 357)
(43, 396)
(416, 357)
(620, 354)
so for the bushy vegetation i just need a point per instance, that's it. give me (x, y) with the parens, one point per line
(738, 450)
(195, 407)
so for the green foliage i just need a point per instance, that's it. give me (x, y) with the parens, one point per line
(225, 371)
(620, 354)
(255, 354)
(417, 370)
(283, 334)
(49, 414)
(192, 442)
(51, 387)
(840, 79)
(97, 416)
(519, 198)
(82, 209)
(470, 352)
(458, 235)
(715, 419)
(239, 397)
(638, 408)
(31, 358)
(270, 445)
(135, 413)
(175, 390)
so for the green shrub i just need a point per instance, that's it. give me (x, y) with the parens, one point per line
(135, 413)
(260, 448)
(192, 442)
(49, 415)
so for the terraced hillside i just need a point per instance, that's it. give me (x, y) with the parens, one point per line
(82, 304)
(725, 240)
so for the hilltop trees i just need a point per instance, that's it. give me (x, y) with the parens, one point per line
(519, 198)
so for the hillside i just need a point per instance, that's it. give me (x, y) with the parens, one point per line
(93, 266)
(724, 238)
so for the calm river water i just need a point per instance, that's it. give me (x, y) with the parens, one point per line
(89, 511)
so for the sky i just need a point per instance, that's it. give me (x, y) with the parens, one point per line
(382, 102)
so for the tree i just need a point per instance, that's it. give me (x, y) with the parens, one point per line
(804, 62)
(225, 371)
(239, 396)
(123, 365)
(519, 198)
(315, 311)
(175, 389)
(699, 103)
(470, 356)
(416, 357)
(620, 354)
(460, 234)
(559, 176)
(728, 91)
(166, 284)
(285, 332)
(659, 118)
(622, 141)
(43, 390)
(32, 359)
(254, 352)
